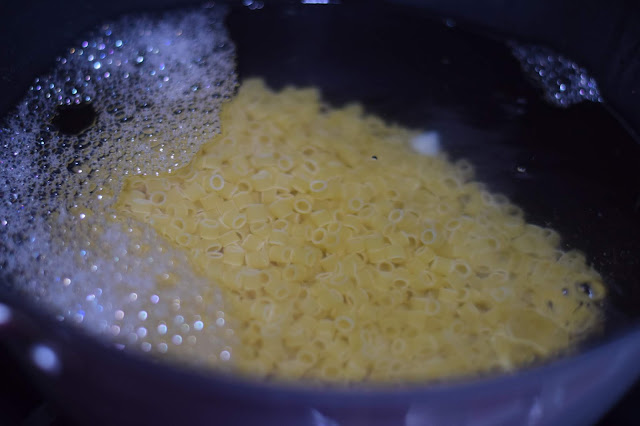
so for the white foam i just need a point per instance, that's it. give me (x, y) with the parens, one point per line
(157, 85)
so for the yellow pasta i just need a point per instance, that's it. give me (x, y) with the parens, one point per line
(252, 243)
(302, 205)
(229, 237)
(233, 255)
(257, 213)
(282, 207)
(257, 259)
(344, 256)
(209, 229)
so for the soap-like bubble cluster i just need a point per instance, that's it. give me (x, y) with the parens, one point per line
(156, 85)
(563, 81)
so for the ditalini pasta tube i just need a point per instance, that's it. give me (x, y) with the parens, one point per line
(343, 255)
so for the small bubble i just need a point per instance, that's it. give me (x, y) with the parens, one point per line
(5, 314)
(564, 82)
(45, 358)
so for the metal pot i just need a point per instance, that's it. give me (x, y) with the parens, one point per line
(407, 65)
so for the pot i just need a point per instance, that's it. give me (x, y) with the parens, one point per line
(438, 65)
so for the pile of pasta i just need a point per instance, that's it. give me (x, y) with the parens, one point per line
(345, 256)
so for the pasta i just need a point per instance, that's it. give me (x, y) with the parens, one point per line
(344, 256)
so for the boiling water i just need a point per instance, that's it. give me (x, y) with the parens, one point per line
(156, 86)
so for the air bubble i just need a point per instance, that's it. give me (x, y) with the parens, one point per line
(564, 82)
